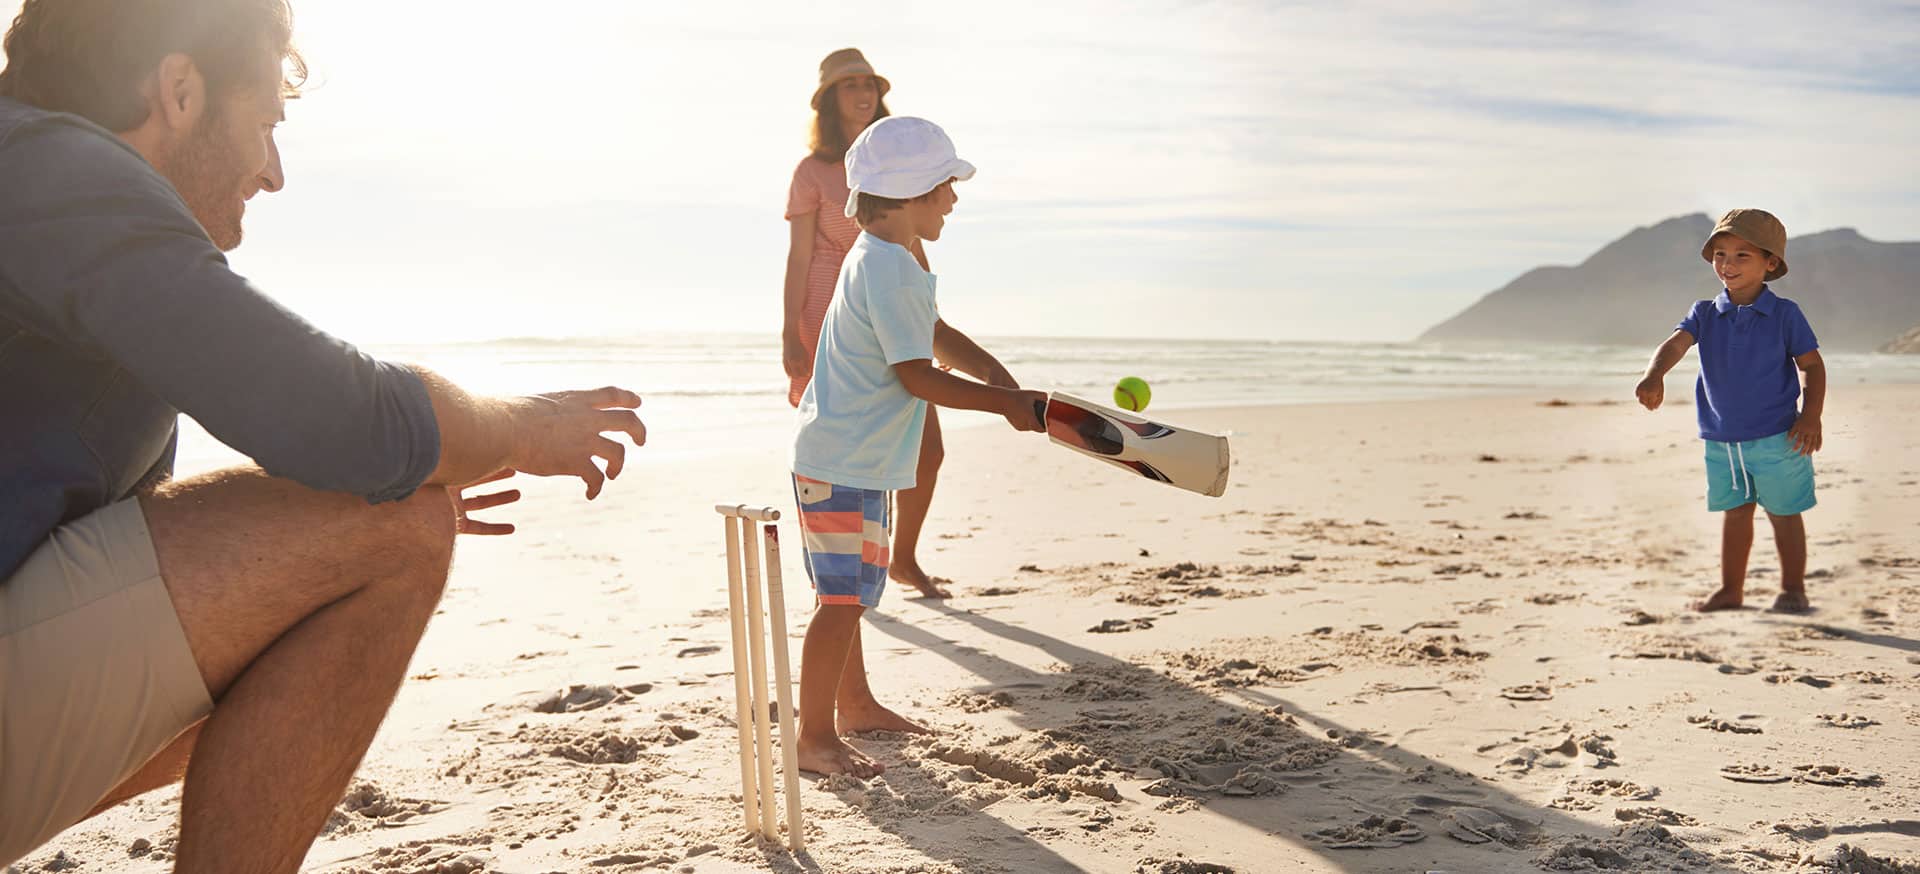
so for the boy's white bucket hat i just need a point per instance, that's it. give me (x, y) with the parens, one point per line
(901, 157)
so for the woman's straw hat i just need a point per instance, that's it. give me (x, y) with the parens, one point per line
(846, 64)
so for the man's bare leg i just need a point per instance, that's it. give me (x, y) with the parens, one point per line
(302, 609)
(914, 503)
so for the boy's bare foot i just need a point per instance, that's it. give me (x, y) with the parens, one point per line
(1724, 599)
(1791, 602)
(833, 756)
(909, 573)
(875, 718)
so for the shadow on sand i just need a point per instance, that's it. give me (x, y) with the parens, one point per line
(1315, 788)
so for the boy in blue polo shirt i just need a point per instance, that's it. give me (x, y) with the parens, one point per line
(1759, 441)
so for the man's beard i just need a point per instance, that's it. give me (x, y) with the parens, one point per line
(204, 172)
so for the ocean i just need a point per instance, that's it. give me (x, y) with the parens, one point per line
(708, 393)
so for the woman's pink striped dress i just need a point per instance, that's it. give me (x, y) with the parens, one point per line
(820, 188)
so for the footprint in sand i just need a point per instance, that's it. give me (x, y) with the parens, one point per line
(1156, 865)
(366, 805)
(1374, 832)
(1592, 743)
(604, 746)
(1586, 794)
(1749, 773)
(1528, 692)
(1182, 778)
(976, 702)
(1849, 859)
(1529, 756)
(1676, 647)
(1090, 689)
(1115, 626)
(1834, 775)
(1636, 846)
(427, 859)
(692, 651)
(1708, 721)
(658, 860)
(578, 697)
(1846, 720)
(1478, 825)
(1660, 815)
(1807, 679)
(1046, 768)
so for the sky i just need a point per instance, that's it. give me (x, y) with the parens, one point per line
(1314, 171)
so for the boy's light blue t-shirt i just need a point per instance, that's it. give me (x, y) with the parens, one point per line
(859, 426)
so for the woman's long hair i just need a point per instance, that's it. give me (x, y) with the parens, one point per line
(829, 142)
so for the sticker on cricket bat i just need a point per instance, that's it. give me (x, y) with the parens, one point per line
(1190, 460)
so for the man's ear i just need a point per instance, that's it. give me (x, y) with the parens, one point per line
(176, 93)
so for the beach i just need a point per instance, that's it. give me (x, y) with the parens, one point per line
(1447, 634)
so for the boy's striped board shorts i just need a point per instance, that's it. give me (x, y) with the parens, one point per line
(845, 536)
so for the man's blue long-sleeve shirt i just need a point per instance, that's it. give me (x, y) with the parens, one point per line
(117, 313)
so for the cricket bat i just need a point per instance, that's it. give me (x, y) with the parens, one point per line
(1191, 460)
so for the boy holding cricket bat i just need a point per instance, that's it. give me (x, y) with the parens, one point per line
(861, 419)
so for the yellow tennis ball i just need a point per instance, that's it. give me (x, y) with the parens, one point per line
(1132, 394)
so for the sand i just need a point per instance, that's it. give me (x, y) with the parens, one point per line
(1414, 636)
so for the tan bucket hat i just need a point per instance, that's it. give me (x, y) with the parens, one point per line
(846, 64)
(1756, 226)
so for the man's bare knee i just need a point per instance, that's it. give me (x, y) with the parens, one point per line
(247, 556)
(420, 532)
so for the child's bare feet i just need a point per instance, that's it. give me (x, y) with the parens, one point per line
(909, 573)
(833, 756)
(853, 720)
(1792, 601)
(1724, 599)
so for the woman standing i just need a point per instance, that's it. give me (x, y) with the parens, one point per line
(849, 98)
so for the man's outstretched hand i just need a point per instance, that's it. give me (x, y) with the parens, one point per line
(560, 434)
(464, 506)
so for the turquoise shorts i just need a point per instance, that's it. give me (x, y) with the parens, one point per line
(1766, 471)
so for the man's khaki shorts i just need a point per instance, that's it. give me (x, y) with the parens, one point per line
(95, 674)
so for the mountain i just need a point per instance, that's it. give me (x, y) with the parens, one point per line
(1908, 343)
(1857, 293)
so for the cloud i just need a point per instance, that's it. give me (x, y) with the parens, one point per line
(1232, 168)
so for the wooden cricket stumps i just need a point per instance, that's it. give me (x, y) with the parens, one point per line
(745, 612)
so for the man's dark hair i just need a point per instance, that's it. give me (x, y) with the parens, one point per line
(88, 57)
